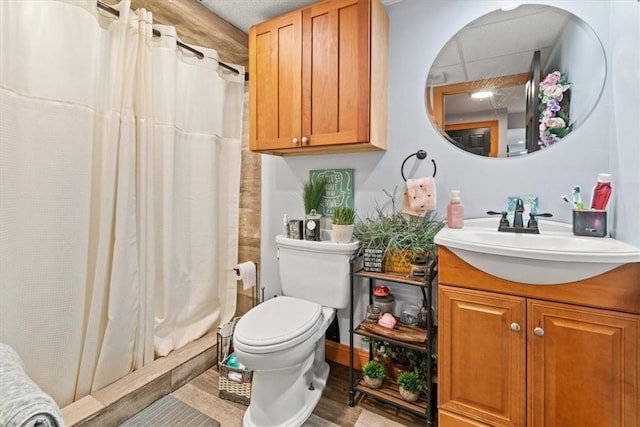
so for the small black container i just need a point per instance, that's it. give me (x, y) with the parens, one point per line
(590, 223)
(419, 267)
(312, 226)
(296, 230)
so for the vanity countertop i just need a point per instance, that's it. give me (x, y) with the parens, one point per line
(554, 256)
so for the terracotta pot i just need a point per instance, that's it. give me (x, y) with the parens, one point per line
(373, 382)
(394, 369)
(409, 396)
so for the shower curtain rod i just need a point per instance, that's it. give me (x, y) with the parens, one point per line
(157, 33)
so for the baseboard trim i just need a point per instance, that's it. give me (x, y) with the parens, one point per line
(339, 353)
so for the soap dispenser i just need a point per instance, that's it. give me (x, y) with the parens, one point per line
(455, 211)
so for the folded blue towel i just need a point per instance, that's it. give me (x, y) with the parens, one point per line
(22, 402)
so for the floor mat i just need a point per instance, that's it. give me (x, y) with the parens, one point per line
(170, 412)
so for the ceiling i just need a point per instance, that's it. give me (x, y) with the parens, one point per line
(242, 14)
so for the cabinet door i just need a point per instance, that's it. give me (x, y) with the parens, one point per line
(336, 74)
(275, 82)
(481, 356)
(583, 366)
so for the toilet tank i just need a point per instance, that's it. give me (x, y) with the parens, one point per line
(316, 271)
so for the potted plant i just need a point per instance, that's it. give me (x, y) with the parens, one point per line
(410, 386)
(343, 219)
(374, 373)
(311, 194)
(401, 237)
(395, 357)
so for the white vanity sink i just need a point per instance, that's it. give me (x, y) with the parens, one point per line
(554, 256)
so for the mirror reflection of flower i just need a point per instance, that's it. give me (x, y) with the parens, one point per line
(554, 109)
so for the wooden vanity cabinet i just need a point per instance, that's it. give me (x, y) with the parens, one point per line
(318, 80)
(511, 354)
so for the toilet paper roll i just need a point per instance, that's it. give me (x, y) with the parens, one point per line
(247, 273)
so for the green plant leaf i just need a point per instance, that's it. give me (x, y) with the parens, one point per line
(344, 215)
(312, 193)
(374, 369)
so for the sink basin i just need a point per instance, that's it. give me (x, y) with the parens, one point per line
(554, 256)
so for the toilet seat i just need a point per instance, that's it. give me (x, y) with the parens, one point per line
(277, 324)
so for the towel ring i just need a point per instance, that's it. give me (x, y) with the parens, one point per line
(420, 154)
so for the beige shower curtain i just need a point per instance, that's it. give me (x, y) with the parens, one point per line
(119, 182)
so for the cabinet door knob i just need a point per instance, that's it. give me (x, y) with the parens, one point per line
(305, 140)
(294, 141)
(538, 331)
(515, 327)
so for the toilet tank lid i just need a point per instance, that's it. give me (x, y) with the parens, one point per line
(313, 246)
(277, 323)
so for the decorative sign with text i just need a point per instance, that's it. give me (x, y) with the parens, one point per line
(337, 192)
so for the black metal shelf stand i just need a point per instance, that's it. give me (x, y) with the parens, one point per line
(426, 405)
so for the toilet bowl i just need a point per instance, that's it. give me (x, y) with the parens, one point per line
(282, 340)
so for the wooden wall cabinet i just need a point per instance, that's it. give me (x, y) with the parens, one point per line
(511, 354)
(318, 80)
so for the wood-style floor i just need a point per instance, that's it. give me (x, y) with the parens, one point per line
(333, 409)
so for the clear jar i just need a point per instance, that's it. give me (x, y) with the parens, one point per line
(373, 313)
(410, 314)
(424, 312)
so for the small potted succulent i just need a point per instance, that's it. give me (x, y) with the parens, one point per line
(343, 219)
(374, 373)
(410, 386)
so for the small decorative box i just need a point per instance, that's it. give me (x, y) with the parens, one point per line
(589, 222)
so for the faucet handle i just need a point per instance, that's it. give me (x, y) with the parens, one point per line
(533, 222)
(504, 222)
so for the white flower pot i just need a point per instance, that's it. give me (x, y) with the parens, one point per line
(373, 382)
(342, 233)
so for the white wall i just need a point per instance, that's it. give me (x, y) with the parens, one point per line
(607, 142)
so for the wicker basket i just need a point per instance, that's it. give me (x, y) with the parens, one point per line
(398, 261)
(234, 384)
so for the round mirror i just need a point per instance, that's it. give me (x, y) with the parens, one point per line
(517, 81)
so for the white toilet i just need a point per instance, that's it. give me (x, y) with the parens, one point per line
(282, 339)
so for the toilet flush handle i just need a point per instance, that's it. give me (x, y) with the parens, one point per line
(277, 253)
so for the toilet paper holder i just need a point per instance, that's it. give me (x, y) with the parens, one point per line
(257, 292)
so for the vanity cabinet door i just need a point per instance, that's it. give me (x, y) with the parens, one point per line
(583, 366)
(481, 358)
